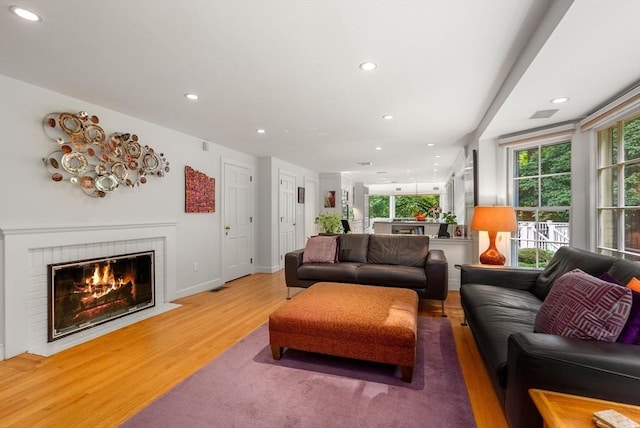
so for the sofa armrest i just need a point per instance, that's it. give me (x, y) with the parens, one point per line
(500, 276)
(292, 261)
(604, 370)
(437, 270)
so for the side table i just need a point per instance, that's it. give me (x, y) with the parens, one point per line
(560, 410)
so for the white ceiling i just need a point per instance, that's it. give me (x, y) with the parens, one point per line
(448, 71)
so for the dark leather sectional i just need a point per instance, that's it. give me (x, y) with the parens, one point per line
(500, 305)
(387, 260)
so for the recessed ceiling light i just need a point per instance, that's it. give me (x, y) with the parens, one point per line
(559, 100)
(378, 148)
(387, 117)
(261, 131)
(191, 97)
(430, 145)
(368, 66)
(437, 156)
(25, 14)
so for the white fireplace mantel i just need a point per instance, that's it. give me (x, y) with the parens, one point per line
(21, 270)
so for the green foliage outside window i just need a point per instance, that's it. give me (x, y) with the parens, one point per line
(405, 205)
(408, 206)
(631, 132)
(547, 179)
(379, 206)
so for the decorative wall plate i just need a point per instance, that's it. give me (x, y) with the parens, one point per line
(106, 183)
(74, 162)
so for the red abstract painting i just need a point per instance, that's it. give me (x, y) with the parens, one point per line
(200, 192)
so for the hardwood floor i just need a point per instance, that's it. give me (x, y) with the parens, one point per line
(103, 382)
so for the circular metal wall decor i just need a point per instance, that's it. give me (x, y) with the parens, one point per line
(97, 164)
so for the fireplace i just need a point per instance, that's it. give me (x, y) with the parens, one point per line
(86, 293)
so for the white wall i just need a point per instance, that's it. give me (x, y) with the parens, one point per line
(29, 198)
(269, 255)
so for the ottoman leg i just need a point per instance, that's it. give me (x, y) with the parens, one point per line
(276, 351)
(407, 374)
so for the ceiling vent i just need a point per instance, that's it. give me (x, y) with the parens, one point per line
(543, 114)
(365, 163)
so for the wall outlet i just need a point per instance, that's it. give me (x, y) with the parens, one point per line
(195, 267)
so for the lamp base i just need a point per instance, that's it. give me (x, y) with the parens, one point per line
(492, 256)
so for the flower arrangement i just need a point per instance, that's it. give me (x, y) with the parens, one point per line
(434, 213)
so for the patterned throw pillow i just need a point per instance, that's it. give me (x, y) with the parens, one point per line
(634, 284)
(582, 306)
(320, 249)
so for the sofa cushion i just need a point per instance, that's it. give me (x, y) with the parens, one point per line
(320, 249)
(566, 259)
(352, 247)
(410, 250)
(391, 276)
(495, 313)
(623, 270)
(330, 272)
(582, 306)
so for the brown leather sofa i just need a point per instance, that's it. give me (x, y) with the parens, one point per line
(387, 260)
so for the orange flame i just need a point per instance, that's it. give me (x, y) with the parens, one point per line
(103, 281)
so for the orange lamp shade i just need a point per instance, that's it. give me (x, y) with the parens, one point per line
(494, 219)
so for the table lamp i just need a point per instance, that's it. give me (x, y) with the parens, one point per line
(493, 219)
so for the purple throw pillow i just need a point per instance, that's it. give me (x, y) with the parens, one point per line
(610, 278)
(582, 306)
(630, 334)
(320, 249)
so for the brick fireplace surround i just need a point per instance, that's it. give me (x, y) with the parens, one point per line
(28, 251)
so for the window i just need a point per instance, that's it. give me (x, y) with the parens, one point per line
(541, 196)
(618, 197)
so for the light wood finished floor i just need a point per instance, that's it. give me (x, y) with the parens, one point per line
(107, 380)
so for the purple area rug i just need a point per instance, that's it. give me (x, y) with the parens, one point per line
(245, 387)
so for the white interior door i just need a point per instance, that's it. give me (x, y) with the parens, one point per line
(238, 217)
(287, 212)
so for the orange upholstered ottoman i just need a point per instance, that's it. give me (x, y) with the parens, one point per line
(348, 320)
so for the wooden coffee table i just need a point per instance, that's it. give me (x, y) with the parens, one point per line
(347, 320)
(560, 410)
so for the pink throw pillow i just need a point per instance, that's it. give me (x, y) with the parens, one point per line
(582, 306)
(320, 249)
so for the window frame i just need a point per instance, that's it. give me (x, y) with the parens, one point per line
(538, 140)
(618, 208)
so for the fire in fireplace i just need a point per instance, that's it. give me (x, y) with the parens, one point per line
(83, 294)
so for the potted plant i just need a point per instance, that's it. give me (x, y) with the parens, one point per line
(329, 223)
(449, 218)
(419, 215)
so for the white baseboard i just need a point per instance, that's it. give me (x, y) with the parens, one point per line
(198, 288)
